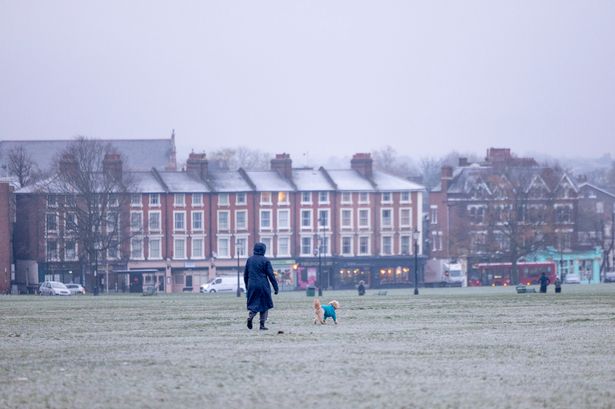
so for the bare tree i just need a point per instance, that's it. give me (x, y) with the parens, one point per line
(242, 157)
(388, 160)
(21, 165)
(95, 193)
(429, 168)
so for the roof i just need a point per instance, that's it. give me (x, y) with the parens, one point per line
(311, 180)
(146, 182)
(182, 182)
(137, 154)
(269, 181)
(594, 187)
(350, 180)
(228, 181)
(387, 182)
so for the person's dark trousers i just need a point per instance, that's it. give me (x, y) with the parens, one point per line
(263, 318)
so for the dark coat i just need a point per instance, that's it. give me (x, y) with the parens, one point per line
(257, 275)
(544, 282)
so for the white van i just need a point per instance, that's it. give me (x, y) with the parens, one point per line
(223, 284)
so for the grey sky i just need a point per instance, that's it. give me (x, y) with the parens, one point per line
(325, 77)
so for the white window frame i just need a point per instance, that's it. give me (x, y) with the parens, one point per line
(285, 197)
(309, 197)
(346, 198)
(363, 197)
(324, 197)
(433, 214)
(349, 253)
(138, 213)
(245, 223)
(311, 218)
(281, 252)
(350, 224)
(260, 219)
(384, 199)
(265, 198)
(228, 247)
(136, 200)
(382, 239)
(228, 221)
(279, 225)
(194, 240)
(223, 199)
(401, 218)
(154, 200)
(360, 210)
(149, 221)
(134, 240)
(242, 196)
(75, 255)
(267, 240)
(391, 224)
(56, 222)
(368, 252)
(194, 228)
(179, 199)
(401, 242)
(175, 214)
(197, 199)
(53, 255)
(310, 252)
(405, 200)
(177, 240)
(328, 225)
(151, 240)
(67, 228)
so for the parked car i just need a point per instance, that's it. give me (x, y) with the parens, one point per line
(53, 288)
(75, 288)
(223, 284)
(572, 278)
(609, 277)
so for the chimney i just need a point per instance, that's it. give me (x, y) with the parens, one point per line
(498, 155)
(196, 165)
(362, 163)
(112, 165)
(68, 165)
(283, 165)
(463, 161)
(446, 175)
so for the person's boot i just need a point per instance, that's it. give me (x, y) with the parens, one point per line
(249, 323)
(263, 327)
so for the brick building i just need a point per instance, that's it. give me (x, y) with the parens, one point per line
(7, 218)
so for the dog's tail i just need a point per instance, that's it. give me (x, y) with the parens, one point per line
(317, 304)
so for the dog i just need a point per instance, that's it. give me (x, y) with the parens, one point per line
(321, 313)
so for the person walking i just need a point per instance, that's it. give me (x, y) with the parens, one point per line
(361, 288)
(257, 275)
(544, 282)
(558, 285)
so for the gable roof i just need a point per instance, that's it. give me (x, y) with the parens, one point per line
(137, 154)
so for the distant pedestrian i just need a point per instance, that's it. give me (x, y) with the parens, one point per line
(544, 282)
(257, 275)
(361, 288)
(558, 285)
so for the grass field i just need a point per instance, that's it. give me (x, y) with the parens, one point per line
(446, 348)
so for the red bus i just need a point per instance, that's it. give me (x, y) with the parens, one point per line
(500, 273)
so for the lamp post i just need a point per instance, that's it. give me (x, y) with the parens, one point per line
(319, 267)
(237, 250)
(416, 235)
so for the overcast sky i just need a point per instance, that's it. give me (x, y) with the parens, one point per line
(314, 78)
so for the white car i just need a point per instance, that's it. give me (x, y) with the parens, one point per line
(75, 288)
(609, 277)
(572, 278)
(53, 288)
(223, 284)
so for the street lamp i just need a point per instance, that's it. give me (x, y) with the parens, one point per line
(416, 235)
(237, 249)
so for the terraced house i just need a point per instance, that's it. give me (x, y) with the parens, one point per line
(177, 229)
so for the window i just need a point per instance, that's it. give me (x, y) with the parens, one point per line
(599, 207)
(404, 197)
(346, 218)
(283, 246)
(405, 245)
(113, 221)
(387, 242)
(306, 246)
(267, 242)
(222, 199)
(282, 197)
(180, 199)
(433, 214)
(306, 197)
(223, 247)
(387, 220)
(179, 221)
(113, 250)
(178, 279)
(387, 197)
(113, 201)
(347, 246)
(154, 221)
(179, 248)
(347, 197)
(240, 199)
(265, 197)
(135, 200)
(136, 248)
(70, 222)
(364, 197)
(241, 219)
(71, 201)
(283, 219)
(197, 248)
(136, 221)
(52, 250)
(306, 219)
(240, 246)
(323, 218)
(197, 199)
(154, 199)
(363, 245)
(52, 201)
(223, 220)
(197, 221)
(70, 250)
(52, 222)
(404, 217)
(265, 219)
(323, 197)
(363, 217)
(154, 249)
(323, 245)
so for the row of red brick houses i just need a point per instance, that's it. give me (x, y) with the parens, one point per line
(182, 228)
